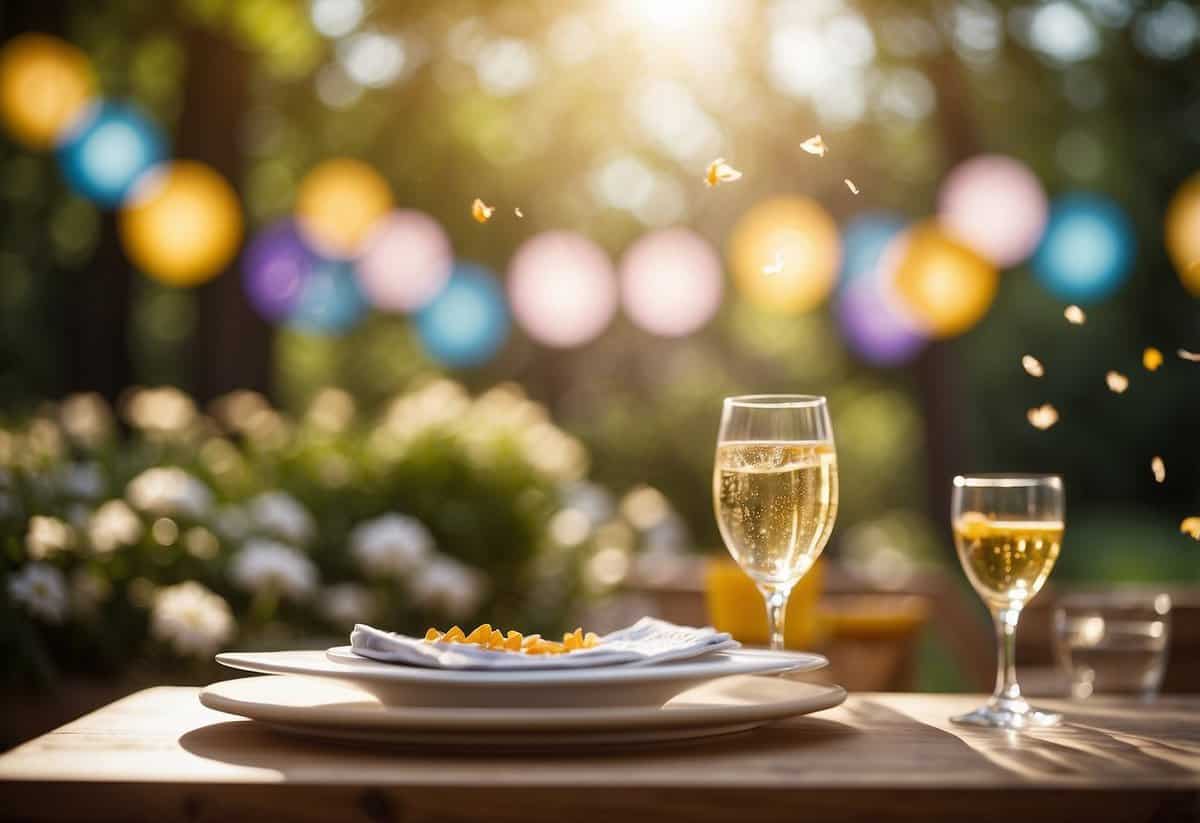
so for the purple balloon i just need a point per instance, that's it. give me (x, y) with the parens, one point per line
(274, 268)
(873, 326)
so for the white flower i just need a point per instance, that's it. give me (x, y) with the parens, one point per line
(449, 586)
(391, 545)
(169, 490)
(113, 525)
(42, 589)
(281, 515)
(82, 480)
(267, 564)
(163, 410)
(344, 603)
(47, 536)
(195, 621)
(86, 419)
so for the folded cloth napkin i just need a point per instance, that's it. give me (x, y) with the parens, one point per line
(645, 643)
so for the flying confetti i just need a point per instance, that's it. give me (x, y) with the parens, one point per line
(1033, 367)
(1117, 382)
(481, 211)
(1074, 315)
(720, 172)
(1152, 358)
(1184, 354)
(1159, 468)
(815, 145)
(776, 267)
(850, 185)
(517, 211)
(1191, 526)
(1042, 417)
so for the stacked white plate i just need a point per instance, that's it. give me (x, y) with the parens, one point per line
(339, 695)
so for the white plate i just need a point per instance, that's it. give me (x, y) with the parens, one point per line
(610, 686)
(303, 705)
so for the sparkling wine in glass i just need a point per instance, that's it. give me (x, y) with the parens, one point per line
(1008, 530)
(775, 490)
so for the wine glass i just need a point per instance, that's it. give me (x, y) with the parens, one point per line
(1008, 529)
(775, 490)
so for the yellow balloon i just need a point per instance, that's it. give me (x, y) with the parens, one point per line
(45, 84)
(784, 254)
(1183, 233)
(946, 286)
(182, 224)
(338, 204)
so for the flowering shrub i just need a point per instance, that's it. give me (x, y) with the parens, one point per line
(243, 527)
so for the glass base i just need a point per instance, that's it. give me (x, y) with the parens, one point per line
(1008, 714)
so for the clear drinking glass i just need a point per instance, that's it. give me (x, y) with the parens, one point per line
(1008, 530)
(1113, 642)
(775, 490)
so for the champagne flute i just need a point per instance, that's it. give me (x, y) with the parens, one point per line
(1008, 530)
(775, 490)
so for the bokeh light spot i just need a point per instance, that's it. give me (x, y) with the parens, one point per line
(467, 322)
(405, 262)
(182, 223)
(329, 302)
(945, 287)
(274, 268)
(45, 85)
(796, 231)
(1183, 233)
(1087, 250)
(338, 204)
(562, 289)
(108, 149)
(995, 205)
(864, 238)
(671, 282)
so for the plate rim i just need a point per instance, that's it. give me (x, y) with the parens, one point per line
(377, 671)
(817, 697)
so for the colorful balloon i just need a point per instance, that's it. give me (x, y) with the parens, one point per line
(329, 302)
(863, 240)
(1088, 249)
(182, 223)
(944, 286)
(562, 289)
(108, 149)
(405, 262)
(996, 206)
(671, 282)
(45, 85)
(274, 268)
(1183, 233)
(338, 205)
(467, 322)
(785, 254)
(874, 326)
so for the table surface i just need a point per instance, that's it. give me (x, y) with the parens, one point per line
(158, 754)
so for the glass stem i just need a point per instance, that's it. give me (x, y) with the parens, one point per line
(1006, 671)
(776, 599)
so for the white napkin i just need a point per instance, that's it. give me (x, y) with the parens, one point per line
(645, 643)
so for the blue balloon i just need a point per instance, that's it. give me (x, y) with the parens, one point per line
(329, 301)
(863, 240)
(467, 321)
(105, 154)
(1087, 250)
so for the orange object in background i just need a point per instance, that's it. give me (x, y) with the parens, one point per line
(735, 605)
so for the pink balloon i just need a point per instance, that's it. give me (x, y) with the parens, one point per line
(996, 205)
(562, 289)
(671, 282)
(405, 262)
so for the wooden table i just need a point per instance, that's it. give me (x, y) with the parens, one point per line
(159, 755)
